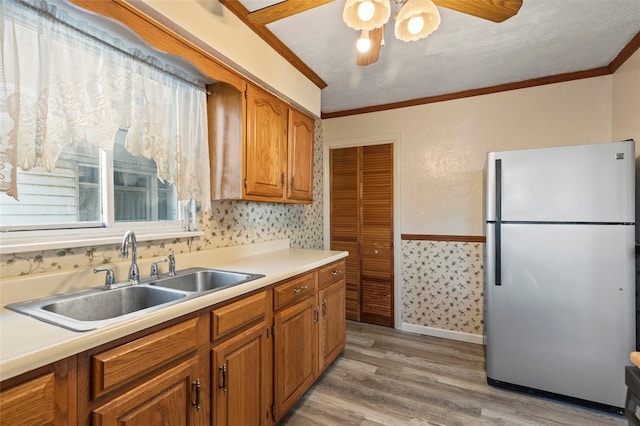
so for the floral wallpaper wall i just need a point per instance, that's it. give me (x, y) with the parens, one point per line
(229, 223)
(443, 285)
(442, 281)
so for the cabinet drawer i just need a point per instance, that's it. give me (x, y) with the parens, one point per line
(331, 273)
(125, 363)
(295, 289)
(234, 316)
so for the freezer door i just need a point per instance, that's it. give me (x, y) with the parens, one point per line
(563, 319)
(585, 183)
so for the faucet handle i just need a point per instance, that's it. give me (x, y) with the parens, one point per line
(109, 279)
(172, 264)
(155, 273)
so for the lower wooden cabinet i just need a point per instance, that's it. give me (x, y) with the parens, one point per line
(246, 362)
(241, 362)
(309, 331)
(294, 353)
(241, 370)
(172, 398)
(45, 399)
(158, 378)
(332, 333)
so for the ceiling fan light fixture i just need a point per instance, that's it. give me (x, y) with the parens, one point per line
(416, 20)
(356, 11)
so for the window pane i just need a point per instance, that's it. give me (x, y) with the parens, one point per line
(88, 192)
(68, 194)
(139, 194)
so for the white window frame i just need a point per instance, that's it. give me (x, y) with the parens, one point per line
(20, 239)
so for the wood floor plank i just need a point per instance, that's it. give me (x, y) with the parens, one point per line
(388, 377)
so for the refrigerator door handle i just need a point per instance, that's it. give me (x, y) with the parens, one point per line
(498, 249)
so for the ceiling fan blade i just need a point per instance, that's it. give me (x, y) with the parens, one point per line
(284, 9)
(371, 55)
(492, 10)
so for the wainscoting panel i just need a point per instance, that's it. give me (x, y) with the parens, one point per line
(443, 287)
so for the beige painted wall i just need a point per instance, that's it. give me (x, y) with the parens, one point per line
(443, 146)
(626, 100)
(215, 25)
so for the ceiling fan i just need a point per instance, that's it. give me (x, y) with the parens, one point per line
(411, 12)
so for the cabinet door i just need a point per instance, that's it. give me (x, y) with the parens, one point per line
(332, 334)
(300, 165)
(266, 154)
(294, 353)
(226, 116)
(241, 365)
(43, 400)
(172, 398)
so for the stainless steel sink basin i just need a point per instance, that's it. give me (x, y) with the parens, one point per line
(94, 308)
(197, 280)
(111, 304)
(90, 309)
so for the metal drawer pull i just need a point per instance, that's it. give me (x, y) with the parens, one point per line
(223, 373)
(324, 308)
(299, 289)
(196, 390)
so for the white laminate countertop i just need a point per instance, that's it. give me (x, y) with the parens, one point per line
(27, 343)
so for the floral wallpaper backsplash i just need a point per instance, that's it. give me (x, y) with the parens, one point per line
(443, 285)
(229, 223)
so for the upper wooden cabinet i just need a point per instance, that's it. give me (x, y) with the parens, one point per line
(300, 182)
(266, 153)
(261, 149)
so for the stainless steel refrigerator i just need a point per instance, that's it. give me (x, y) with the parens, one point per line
(560, 270)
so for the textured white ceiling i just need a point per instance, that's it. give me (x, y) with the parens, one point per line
(545, 38)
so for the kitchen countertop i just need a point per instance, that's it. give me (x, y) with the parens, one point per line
(27, 343)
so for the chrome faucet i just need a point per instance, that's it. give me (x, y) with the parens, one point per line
(155, 273)
(134, 273)
(172, 265)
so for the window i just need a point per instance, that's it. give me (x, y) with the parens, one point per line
(76, 194)
(97, 130)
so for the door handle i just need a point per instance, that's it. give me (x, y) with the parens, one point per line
(223, 376)
(498, 246)
(195, 385)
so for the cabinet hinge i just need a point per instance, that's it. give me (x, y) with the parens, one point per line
(273, 330)
(245, 182)
(245, 93)
(273, 410)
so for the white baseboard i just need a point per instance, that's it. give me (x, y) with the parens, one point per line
(446, 334)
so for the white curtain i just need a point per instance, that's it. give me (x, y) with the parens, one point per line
(65, 81)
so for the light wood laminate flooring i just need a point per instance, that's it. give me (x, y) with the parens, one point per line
(388, 377)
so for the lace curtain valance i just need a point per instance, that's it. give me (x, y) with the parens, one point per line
(63, 81)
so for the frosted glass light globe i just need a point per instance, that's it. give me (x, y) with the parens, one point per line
(363, 45)
(415, 25)
(366, 9)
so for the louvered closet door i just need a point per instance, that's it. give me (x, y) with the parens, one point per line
(376, 234)
(344, 209)
(362, 223)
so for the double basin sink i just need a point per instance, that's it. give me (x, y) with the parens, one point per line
(96, 307)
